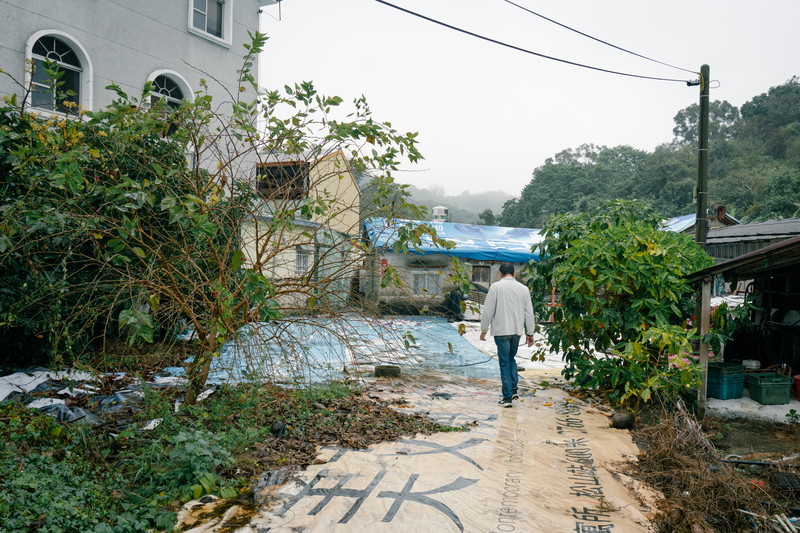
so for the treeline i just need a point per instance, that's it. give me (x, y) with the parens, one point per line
(754, 167)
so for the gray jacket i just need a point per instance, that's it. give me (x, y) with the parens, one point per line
(508, 309)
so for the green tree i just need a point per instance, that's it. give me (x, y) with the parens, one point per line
(722, 121)
(487, 218)
(623, 301)
(767, 116)
(106, 215)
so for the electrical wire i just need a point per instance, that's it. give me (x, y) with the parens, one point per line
(598, 40)
(494, 41)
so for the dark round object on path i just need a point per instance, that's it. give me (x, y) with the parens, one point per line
(623, 420)
(387, 371)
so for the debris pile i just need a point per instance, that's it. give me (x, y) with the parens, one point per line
(702, 493)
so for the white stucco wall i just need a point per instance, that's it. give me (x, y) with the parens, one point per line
(126, 41)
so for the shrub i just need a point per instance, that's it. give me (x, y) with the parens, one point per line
(623, 300)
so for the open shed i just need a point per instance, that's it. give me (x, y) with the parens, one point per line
(775, 274)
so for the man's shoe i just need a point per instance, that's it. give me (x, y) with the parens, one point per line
(514, 395)
(505, 402)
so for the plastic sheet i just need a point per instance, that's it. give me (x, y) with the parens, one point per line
(20, 387)
(69, 414)
(543, 466)
(118, 400)
(302, 352)
(29, 381)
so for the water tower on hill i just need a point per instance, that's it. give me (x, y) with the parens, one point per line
(440, 214)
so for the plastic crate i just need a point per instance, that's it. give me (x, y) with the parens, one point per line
(724, 368)
(725, 387)
(769, 388)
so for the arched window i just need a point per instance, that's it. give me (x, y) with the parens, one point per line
(44, 96)
(168, 89)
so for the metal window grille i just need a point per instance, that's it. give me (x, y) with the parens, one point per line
(301, 262)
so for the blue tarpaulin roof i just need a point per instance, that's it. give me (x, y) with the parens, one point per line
(480, 243)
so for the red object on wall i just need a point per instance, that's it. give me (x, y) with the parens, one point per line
(384, 262)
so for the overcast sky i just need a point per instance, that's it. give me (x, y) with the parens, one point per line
(487, 116)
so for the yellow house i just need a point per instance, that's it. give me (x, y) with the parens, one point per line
(304, 235)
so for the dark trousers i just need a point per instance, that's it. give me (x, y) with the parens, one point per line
(506, 352)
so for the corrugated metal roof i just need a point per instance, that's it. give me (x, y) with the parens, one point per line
(783, 256)
(769, 230)
(679, 224)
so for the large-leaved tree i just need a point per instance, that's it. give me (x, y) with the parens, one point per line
(623, 303)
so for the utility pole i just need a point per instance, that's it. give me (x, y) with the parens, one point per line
(701, 229)
(701, 222)
(700, 232)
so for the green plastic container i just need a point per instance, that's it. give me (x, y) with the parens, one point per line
(769, 388)
(724, 368)
(725, 387)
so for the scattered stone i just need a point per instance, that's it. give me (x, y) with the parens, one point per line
(387, 371)
(623, 420)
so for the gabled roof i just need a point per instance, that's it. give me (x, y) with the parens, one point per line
(479, 243)
(756, 231)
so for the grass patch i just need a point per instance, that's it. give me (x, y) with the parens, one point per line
(60, 477)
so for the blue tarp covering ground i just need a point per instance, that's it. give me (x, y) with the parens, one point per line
(481, 243)
(309, 351)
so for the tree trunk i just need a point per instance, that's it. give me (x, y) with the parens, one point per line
(198, 369)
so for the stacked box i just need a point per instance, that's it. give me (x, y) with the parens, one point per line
(769, 388)
(725, 386)
(724, 368)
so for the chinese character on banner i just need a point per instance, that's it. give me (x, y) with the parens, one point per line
(384, 262)
(590, 515)
(580, 527)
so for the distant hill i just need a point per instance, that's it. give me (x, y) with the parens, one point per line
(464, 207)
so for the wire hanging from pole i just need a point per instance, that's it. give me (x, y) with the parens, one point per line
(519, 49)
(598, 40)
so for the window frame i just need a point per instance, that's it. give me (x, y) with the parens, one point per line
(177, 79)
(291, 184)
(227, 23)
(483, 269)
(429, 278)
(85, 83)
(307, 254)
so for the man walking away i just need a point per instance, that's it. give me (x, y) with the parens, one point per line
(509, 311)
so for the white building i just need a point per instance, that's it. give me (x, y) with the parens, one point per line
(126, 42)
(440, 214)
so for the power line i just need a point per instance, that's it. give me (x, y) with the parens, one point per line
(598, 40)
(523, 49)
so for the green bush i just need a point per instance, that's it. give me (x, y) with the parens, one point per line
(623, 301)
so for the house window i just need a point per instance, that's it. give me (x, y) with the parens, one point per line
(480, 274)
(166, 88)
(207, 16)
(284, 180)
(427, 284)
(52, 48)
(302, 262)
